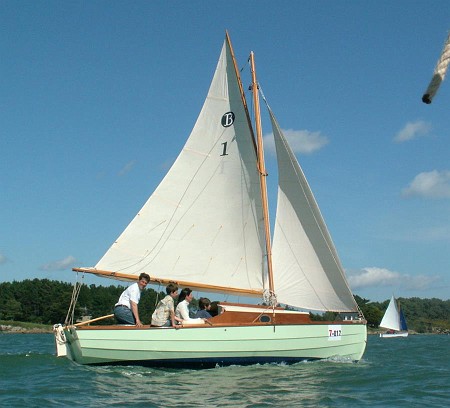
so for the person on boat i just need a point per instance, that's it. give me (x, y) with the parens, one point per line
(164, 314)
(126, 309)
(214, 309)
(204, 305)
(182, 310)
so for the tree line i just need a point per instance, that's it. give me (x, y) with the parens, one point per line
(422, 315)
(47, 302)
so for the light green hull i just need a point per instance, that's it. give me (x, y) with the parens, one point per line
(208, 346)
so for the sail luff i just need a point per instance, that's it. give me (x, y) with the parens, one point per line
(262, 171)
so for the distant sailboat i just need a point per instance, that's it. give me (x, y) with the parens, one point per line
(394, 320)
(206, 227)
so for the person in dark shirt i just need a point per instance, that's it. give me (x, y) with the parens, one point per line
(204, 305)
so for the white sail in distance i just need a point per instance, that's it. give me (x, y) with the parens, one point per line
(438, 74)
(203, 222)
(307, 271)
(391, 318)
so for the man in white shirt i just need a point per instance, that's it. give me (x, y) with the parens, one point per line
(126, 309)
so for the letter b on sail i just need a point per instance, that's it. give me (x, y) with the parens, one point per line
(227, 119)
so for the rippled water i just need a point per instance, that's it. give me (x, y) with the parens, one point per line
(411, 372)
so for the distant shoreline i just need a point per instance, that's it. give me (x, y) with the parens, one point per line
(6, 328)
(10, 329)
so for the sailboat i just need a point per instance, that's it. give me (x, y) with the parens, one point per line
(206, 227)
(394, 321)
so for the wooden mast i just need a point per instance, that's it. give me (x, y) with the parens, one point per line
(262, 175)
(259, 151)
(241, 89)
(262, 170)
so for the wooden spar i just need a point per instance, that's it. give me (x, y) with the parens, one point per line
(94, 320)
(258, 144)
(241, 89)
(262, 169)
(184, 284)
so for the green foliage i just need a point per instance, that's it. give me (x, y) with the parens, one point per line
(43, 301)
(47, 302)
(372, 313)
(422, 315)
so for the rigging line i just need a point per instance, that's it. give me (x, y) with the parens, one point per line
(75, 293)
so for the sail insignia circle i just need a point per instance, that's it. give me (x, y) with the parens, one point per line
(227, 119)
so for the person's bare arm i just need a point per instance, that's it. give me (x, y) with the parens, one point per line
(135, 310)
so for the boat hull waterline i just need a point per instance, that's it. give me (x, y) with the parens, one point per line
(211, 346)
(390, 335)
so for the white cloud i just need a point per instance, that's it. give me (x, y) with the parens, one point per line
(301, 141)
(373, 277)
(127, 168)
(413, 130)
(381, 277)
(60, 265)
(3, 259)
(433, 184)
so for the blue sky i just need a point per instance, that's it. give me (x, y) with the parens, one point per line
(98, 97)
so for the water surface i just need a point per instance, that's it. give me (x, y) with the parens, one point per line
(411, 372)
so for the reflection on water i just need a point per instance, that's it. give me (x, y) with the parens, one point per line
(257, 385)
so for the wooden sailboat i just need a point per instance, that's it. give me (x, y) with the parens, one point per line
(394, 321)
(206, 227)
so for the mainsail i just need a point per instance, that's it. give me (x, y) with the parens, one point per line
(203, 222)
(439, 73)
(307, 270)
